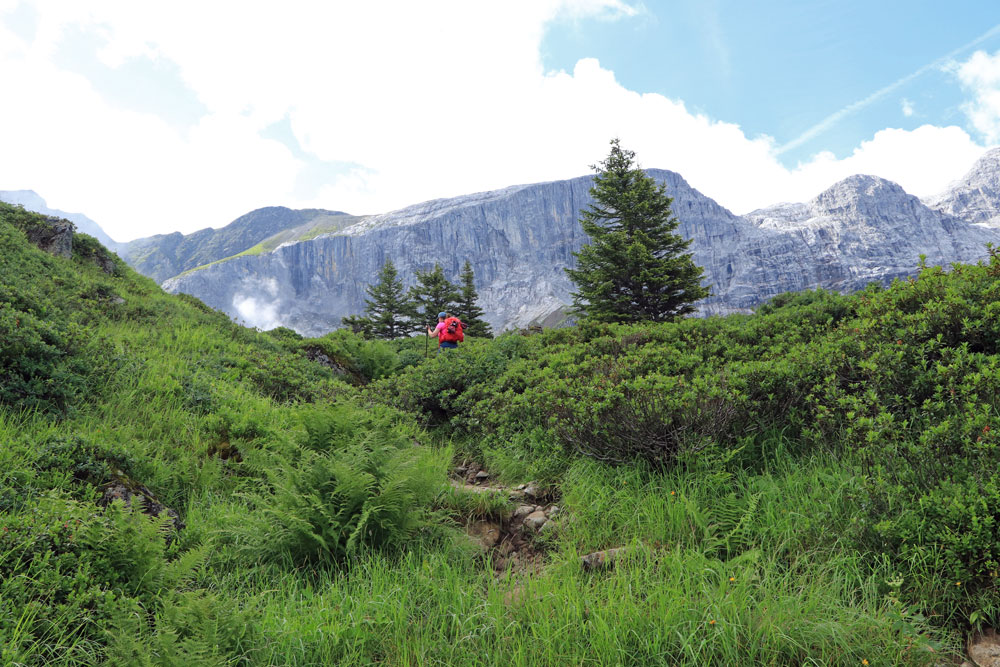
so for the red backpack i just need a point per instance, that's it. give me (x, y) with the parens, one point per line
(452, 332)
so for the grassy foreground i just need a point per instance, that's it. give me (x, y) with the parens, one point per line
(814, 484)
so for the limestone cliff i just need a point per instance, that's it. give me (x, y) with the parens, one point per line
(520, 239)
(976, 196)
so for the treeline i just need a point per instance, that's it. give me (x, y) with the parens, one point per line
(391, 311)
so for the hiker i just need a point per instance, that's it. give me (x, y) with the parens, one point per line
(448, 331)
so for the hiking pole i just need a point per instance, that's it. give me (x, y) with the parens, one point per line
(427, 344)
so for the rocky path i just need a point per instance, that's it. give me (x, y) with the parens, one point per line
(513, 539)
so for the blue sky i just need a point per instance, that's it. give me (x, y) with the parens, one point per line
(780, 67)
(152, 118)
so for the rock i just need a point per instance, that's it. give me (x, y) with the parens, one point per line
(32, 202)
(107, 264)
(461, 471)
(166, 255)
(975, 197)
(482, 476)
(522, 511)
(139, 497)
(531, 490)
(317, 355)
(55, 237)
(984, 648)
(554, 511)
(519, 240)
(548, 528)
(535, 520)
(601, 560)
(486, 533)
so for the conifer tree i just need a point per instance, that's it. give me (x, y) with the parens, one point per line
(468, 309)
(387, 304)
(634, 269)
(386, 308)
(432, 294)
(359, 324)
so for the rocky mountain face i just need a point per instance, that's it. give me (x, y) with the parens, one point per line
(307, 269)
(976, 197)
(32, 202)
(520, 239)
(166, 255)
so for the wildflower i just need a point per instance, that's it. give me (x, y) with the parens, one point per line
(864, 662)
(732, 578)
(712, 622)
(673, 493)
(958, 583)
(986, 429)
(899, 341)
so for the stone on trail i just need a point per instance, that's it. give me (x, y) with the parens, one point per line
(535, 520)
(601, 560)
(486, 533)
(984, 648)
(531, 490)
(522, 511)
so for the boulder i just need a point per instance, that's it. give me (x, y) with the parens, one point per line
(601, 560)
(55, 237)
(535, 520)
(984, 648)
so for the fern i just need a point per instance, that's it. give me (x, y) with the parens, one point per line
(355, 482)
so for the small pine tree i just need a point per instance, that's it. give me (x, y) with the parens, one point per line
(468, 309)
(432, 294)
(634, 269)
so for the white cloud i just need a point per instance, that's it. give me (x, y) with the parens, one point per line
(431, 99)
(907, 107)
(257, 304)
(981, 75)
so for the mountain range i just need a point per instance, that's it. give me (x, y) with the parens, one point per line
(306, 269)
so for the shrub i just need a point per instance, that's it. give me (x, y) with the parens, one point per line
(78, 465)
(369, 359)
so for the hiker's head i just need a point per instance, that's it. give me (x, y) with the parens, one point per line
(442, 315)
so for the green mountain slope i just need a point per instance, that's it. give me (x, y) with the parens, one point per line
(166, 255)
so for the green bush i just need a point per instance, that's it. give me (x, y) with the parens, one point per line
(79, 466)
(367, 359)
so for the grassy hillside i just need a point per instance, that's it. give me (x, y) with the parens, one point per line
(167, 255)
(813, 484)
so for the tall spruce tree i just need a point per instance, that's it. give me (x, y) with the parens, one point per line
(432, 294)
(387, 304)
(468, 309)
(634, 269)
(387, 307)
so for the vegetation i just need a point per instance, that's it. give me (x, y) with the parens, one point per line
(812, 484)
(432, 294)
(392, 313)
(634, 268)
(385, 307)
(467, 309)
